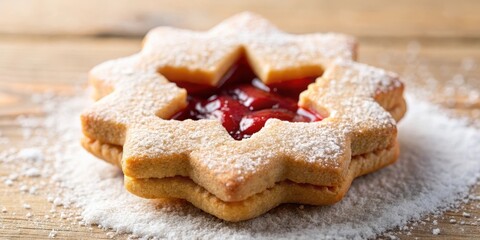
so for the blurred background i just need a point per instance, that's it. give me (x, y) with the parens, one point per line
(368, 18)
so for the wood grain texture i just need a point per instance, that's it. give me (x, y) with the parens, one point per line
(39, 54)
(419, 18)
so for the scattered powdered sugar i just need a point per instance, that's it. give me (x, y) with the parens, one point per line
(52, 234)
(31, 154)
(439, 162)
(8, 182)
(32, 172)
(434, 170)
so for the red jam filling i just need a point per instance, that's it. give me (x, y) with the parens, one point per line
(243, 103)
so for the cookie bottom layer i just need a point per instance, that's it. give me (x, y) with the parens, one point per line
(282, 192)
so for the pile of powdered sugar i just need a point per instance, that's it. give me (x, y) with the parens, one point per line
(439, 162)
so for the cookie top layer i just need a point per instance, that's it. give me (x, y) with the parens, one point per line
(135, 99)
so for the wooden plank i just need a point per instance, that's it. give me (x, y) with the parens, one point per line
(431, 18)
(36, 65)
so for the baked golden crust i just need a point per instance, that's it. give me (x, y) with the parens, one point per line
(282, 192)
(361, 105)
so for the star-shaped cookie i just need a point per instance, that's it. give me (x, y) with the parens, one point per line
(285, 162)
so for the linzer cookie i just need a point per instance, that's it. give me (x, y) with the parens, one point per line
(243, 117)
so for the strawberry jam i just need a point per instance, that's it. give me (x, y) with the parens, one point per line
(243, 103)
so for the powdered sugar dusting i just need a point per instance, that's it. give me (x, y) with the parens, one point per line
(429, 174)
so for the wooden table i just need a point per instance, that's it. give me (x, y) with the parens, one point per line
(50, 45)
